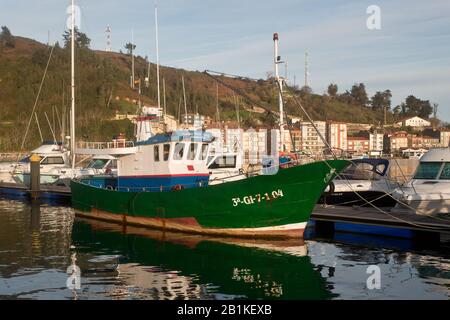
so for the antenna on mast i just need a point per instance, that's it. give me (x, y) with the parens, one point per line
(279, 80)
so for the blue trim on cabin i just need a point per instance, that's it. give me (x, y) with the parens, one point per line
(148, 184)
(180, 135)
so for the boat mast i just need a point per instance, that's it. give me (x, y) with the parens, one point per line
(185, 104)
(279, 80)
(132, 60)
(72, 110)
(157, 55)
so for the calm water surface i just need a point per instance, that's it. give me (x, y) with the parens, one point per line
(36, 244)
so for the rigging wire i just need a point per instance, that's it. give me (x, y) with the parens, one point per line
(37, 98)
(239, 92)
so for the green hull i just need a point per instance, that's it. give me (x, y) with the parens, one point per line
(270, 202)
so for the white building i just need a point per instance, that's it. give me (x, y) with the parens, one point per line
(376, 142)
(311, 141)
(416, 122)
(445, 138)
(337, 135)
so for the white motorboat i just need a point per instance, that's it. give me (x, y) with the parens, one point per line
(55, 166)
(428, 193)
(364, 178)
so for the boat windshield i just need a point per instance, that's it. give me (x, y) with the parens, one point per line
(428, 170)
(360, 171)
(97, 164)
(445, 174)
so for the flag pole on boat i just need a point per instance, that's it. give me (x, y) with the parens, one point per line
(279, 81)
(72, 111)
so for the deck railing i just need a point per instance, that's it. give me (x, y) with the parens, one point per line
(116, 144)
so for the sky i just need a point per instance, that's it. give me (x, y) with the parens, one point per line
(409, 54)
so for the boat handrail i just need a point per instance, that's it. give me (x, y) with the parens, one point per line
(115, 144)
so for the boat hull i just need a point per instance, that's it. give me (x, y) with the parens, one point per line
(376, 198)
(277, 205)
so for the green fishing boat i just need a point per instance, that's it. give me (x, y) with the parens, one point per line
(174, 194)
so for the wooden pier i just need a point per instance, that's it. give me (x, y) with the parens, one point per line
(422, 227)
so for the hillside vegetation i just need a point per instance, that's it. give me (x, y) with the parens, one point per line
(103, 89)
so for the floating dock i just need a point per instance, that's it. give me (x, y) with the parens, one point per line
(388, 223)
(45, 191)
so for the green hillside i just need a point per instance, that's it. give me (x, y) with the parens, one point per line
(103, 89)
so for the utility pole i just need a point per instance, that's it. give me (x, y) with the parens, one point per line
(306, 69)
(108, 39)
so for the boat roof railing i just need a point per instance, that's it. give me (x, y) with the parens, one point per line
(180, 135)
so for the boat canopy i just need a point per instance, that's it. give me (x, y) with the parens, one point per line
(366, 169)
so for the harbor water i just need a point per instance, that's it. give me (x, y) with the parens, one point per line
(40, 243)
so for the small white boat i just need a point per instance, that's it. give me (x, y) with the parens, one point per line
(55, 166)
(428, 193)
(366, 178)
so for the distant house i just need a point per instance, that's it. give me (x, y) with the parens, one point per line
(358, 145)
(336, 135)
(398, 141)
(415, 122)
(444, 137)
(423, 142)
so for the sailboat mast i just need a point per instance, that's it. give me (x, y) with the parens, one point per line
(72, 111)
(157, 56)
(185, 104)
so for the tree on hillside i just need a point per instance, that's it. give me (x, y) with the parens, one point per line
(81, 39)
(332, 90)
(381, 100)
(130, 47)
(6, 38)
(359, 94)
(415, 107)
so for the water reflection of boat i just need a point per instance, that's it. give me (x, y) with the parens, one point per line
(169, 265)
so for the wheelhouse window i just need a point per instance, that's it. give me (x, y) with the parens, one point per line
(53, 160)
(445, 174)
(193, 148)
(179, 151)
(224, 162)
(97, 163)
(428, 170)
(166, 152)
(156, 153)
(204, 152)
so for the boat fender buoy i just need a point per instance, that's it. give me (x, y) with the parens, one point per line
(332, 187)
(178, 187)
